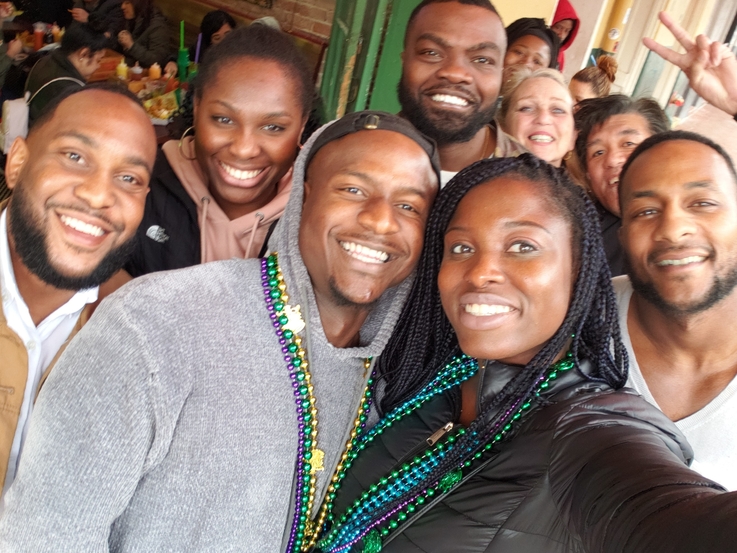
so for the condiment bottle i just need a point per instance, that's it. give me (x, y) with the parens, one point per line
(154, 72)
(56, 32)
(121, 70)
(136, 72)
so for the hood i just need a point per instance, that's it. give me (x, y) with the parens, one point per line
(566, 11)
(379, 325)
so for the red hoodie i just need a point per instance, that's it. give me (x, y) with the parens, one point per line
(566, 11)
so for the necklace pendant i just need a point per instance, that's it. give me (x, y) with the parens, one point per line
(318, 456)
(295, 322)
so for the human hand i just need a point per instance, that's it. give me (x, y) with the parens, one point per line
(171, 69)
(6, 9)
(710, 66)
(80, 14)
(125, 39)
(15, 47)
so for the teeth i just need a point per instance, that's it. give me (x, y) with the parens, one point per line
(541, 138)
(448, 99)
(483, 310)
(684, 261)
(364, 253)
(81, 226)
(238, 174)
(614, 181)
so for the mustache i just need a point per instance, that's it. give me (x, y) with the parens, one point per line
(653, 256)
(81, 207)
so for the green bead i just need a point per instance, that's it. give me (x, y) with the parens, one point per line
(516, 416)
(275, 295)
(308, 455)
(526, 405)
(283, 319)
(450, 480)
(477, 455)
(273, 282)
(279, 305)
(271, 261)
(544, 385)
(307, 417)
(292, 348)
(299, 375)
(302, 389)
(420, 500)
(296, 361)
(271, 272)
(385, 531)
(507, 427)
(402, 516)
(308, 467)
(430, 492)
(305, 403)
(288, 334)
(411, 508)
(308, 444)
(372, 542)
(553, 375)
(393, 524)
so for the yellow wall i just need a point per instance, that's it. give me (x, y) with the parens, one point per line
(512, 10)
(603, 28)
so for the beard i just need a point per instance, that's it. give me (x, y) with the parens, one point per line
(445, 127)
(342, 300)
(721, 287)
(29, 239)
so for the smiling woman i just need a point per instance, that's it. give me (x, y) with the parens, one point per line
(215, 195)
(501, 403)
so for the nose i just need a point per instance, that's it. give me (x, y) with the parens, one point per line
(674, 224)
(245, 144)
(542, 116)
(97, 190)
(483, 269)
(616, 158)
(455, 69)
(379, 217)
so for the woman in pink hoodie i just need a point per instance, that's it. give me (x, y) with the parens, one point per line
(565, 25)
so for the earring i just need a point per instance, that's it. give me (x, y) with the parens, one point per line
(569, 155)
(180, 144)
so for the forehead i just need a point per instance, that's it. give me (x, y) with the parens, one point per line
(676, 165)
(542, 87)
(565, 24)
(458, 25)
(621, 124)
(533, 43)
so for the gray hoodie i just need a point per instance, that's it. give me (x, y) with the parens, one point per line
(169, 423)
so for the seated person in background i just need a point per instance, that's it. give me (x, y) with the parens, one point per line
(215, 195)
(595, 81)
(214, 27)
(104, 14)
(537, 110)
(79, 55)
(145, 37)
(451, 95)
(183, 417)
(504, 427)
(530, 42)
(609, 128)
(8, 50)
(710, 65)
(678, 308)
(79, 184)
(565, 25)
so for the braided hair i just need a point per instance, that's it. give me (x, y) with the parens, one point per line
(424, 339)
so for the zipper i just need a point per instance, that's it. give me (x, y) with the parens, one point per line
(432, 440)
(427, 442)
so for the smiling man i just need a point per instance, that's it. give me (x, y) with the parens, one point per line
(451, 76)
(678, 196)
(207, 409)
(609, 129)
(79, 186)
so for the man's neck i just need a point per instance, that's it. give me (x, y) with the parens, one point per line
(459, 155)
(341, 323)
(42, 299)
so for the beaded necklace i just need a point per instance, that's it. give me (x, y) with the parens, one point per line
(360, 520)
(287, 322)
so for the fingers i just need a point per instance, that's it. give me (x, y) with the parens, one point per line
(664, 52)
(679, 32)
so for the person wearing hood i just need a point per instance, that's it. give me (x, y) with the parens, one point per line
(207, 409)
(565, 26)
(530, 43)
(216, 192)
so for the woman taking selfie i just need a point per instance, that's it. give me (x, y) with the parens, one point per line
(216, 192)
(502, 425)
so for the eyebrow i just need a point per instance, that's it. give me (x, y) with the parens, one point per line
(371, 180)
(507, 225)
(688, 186)
(445, 44)
(272, 115)
(624, 132)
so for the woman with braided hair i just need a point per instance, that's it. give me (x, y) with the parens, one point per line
(503, 427)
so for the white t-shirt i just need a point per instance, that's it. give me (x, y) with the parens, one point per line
(711, 431)
(42, 342)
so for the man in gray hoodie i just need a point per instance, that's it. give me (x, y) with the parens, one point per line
(176, 419)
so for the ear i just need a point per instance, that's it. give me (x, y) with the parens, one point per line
(17, 158)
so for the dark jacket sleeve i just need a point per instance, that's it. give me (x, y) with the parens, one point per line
(152, 45)
(622, 486)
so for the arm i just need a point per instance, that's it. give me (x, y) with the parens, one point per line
(710, 66)
(152, 46)
(622, 486)
(95, 432)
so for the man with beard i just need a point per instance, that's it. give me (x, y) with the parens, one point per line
(79, 184)
(678, 196)
(451, 76)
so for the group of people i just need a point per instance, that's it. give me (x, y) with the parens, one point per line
(423, 349)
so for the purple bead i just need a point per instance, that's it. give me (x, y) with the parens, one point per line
(282, 341)
(285, 349)
(288, 358)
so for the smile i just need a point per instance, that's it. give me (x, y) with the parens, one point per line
(81, 226)
(684, 261)
(614, 181)
(484, 310)
(541, 138)
(238, 174)
(449, 99)
(364, 253)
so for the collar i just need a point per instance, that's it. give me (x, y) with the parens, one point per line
(9, 286)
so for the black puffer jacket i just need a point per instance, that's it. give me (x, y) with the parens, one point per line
(592, 470)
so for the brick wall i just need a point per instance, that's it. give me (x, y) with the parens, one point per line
(310, 17)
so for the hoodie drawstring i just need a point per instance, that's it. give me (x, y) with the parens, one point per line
(203, 224)
(257, 220)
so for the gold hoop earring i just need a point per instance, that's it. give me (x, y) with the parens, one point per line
(181, 139)
(569, 155)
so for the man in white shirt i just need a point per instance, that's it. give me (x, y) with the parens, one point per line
(678, 306)
(79, 185)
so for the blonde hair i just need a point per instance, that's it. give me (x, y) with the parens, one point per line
(520, 75)
(600, 77)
